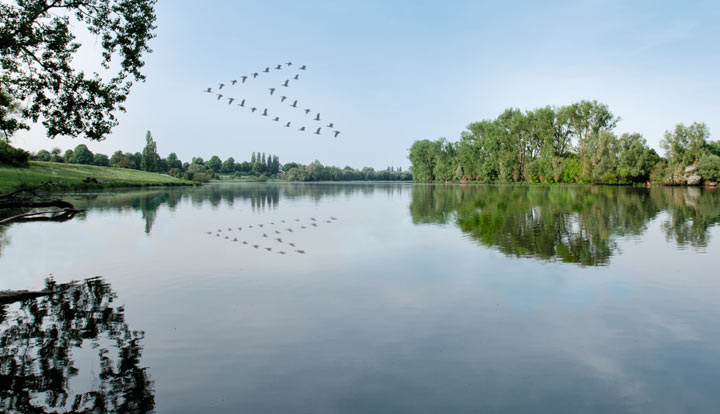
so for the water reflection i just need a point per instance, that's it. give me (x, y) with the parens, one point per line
(40, 338)
(571, 224)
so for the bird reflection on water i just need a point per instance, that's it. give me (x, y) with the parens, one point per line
(312, 221)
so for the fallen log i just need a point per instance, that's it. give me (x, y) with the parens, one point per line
(11, 296)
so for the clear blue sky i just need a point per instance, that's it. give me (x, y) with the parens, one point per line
(390, 72)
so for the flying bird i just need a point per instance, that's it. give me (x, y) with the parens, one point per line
(268, 249)
(296, 77)
(253, 109)
(279, 239)
(289, 63)
(317, 117)
(302, 67)
(332, 218)
(277, 118)
(230, 101)
(255, 75)
(265, 112)
(278, 67)
(336, 134)
(294, 104)
(307, 111)
(288, 124)
(286, 83)
(219, 96)
(283, 98)
(244, 78)
(330, 125)
(317, 132)
(267, 69)
(265, 235)
(242, 103)
(301, 129)
(292, 244)
(290, 230)
(277, 232)
(221, 85)
(233, 82)
(300, 251)
(281, 252)
(208, 90)
(272, 90)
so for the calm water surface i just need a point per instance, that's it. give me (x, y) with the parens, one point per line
(395, 299)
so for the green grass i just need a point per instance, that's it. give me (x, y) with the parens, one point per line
(71, 176)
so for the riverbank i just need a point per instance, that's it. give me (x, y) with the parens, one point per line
(66, 177)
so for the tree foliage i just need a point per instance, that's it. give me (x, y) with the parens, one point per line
(150, 157)
(568, 144)
(36, 50)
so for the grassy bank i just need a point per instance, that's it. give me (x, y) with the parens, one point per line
(75, 177)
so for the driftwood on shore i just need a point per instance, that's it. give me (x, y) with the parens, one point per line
(29, 199)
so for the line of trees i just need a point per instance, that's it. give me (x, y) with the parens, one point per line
(260, 165)
(567, 144)
(315, 171)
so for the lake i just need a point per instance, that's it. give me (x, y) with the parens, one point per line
(392, 298)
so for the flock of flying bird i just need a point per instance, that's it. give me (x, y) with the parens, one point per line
(283, 98)
(275, 230)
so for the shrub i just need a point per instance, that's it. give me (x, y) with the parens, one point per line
(10, 155)
(572, 171)
(709, 167)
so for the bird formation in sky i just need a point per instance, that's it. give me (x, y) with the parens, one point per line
(269, 236)
(224, 91)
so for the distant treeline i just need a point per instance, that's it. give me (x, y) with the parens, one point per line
(260, 165)
(318, 172)
(567, 144)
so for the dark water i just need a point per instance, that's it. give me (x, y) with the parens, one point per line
(394, 299)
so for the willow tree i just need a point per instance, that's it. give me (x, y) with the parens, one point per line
(36, 50)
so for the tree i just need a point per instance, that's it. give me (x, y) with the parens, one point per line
(37, 47)
(150, 157)
(423, 156)
(68, 155)
(43, 155)
(173, 161)
(8, 123)
(56, 157)
(228, 166)
(82, 155)
(214, 164)
(101, 160)
(686, 144)
(120, 160)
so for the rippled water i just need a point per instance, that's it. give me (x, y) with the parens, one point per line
(394, 298)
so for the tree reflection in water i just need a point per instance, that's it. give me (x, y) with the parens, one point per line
(567, 223)
(38, 338)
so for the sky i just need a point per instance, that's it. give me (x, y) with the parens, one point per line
(387, 73)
